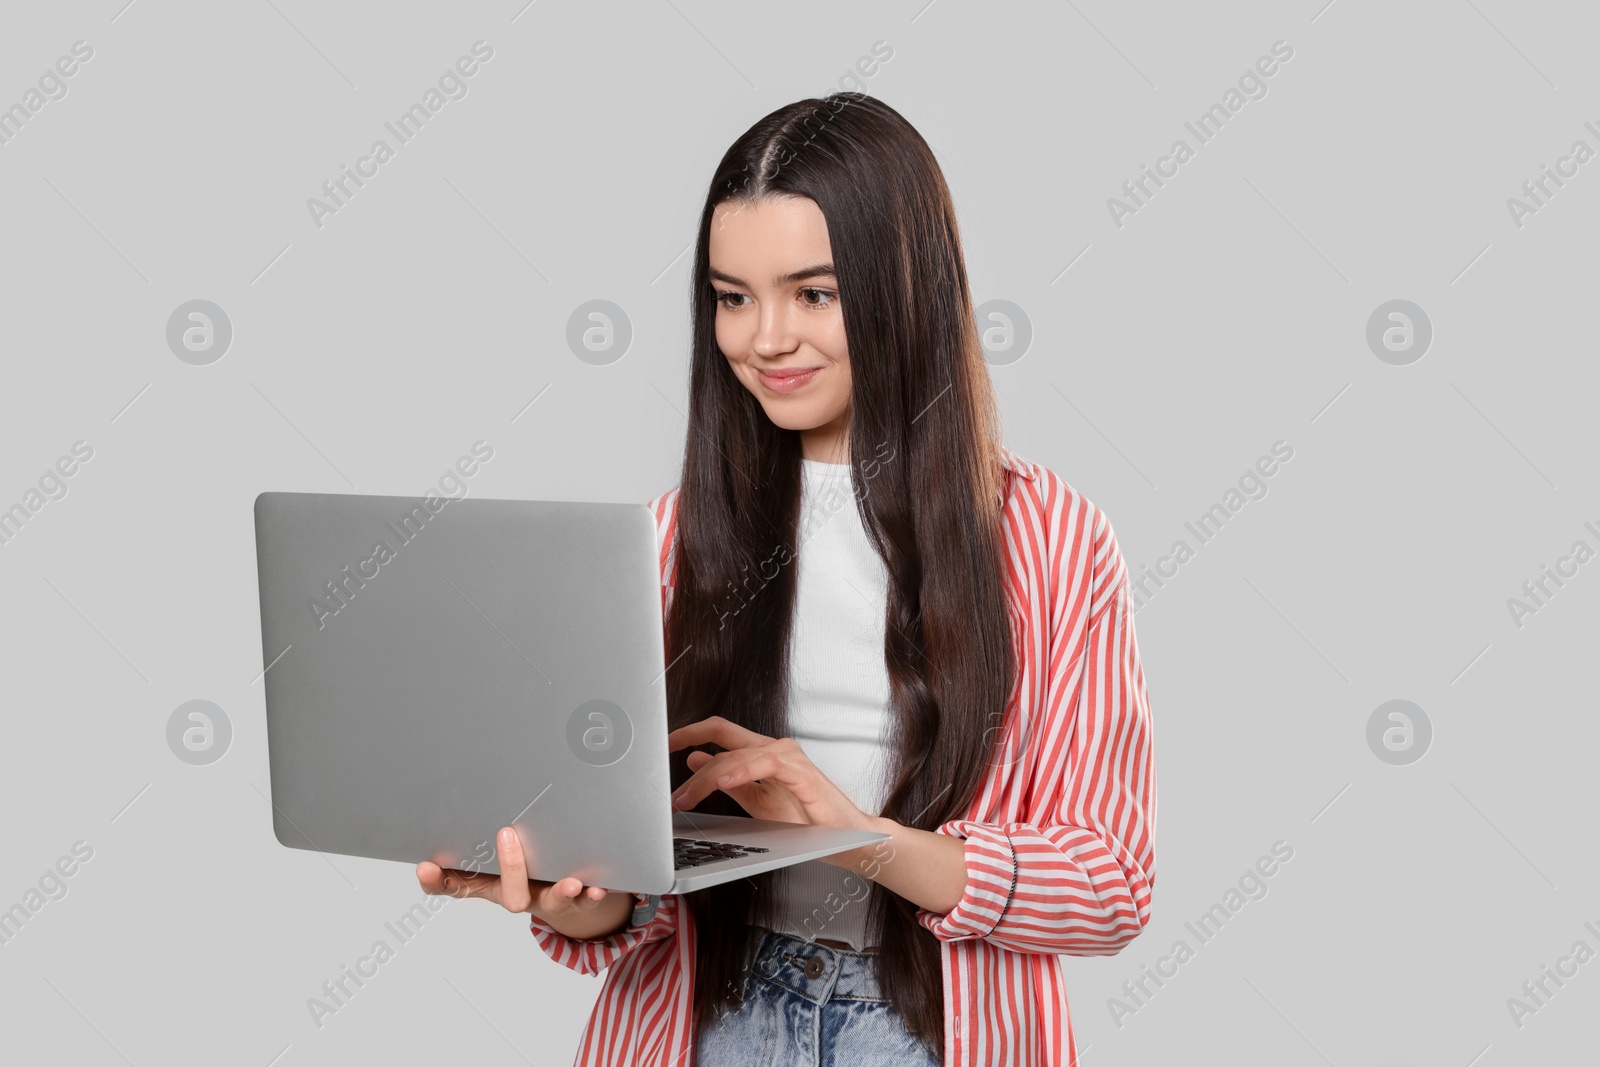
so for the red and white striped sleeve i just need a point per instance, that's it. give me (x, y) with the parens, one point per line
(1077, 878)
(588, 956)
(665, 510)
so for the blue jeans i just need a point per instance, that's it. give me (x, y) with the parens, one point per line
(810, 1005)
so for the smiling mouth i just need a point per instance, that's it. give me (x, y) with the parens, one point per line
(788, 380)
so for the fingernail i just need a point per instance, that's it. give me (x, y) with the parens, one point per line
(507, 837)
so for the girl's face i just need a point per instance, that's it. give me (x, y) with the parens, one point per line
(778, 318)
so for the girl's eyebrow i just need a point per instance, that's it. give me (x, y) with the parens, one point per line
(818, 270)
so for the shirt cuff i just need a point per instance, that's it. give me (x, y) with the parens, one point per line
(991, 861)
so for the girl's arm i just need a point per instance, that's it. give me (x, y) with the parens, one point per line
(1077, 877)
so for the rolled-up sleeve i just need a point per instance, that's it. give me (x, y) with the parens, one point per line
(591, 956)
(1078, 878)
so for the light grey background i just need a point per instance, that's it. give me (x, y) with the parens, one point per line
(1167, 355)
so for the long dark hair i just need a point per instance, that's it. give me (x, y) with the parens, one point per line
(927, 479)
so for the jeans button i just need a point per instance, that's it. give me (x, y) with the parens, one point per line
(814, 967)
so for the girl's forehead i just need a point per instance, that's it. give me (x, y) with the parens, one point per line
(763, 237)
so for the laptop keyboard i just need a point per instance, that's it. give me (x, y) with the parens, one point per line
(692, 852)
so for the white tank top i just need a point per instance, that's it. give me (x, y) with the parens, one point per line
(838, 694)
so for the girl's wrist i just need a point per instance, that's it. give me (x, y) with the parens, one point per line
(856, 858)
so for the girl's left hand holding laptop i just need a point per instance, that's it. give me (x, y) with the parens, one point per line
(567, 904)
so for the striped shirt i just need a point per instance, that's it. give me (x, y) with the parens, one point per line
(1059, 840)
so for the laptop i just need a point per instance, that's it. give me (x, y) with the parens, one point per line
(436, 668)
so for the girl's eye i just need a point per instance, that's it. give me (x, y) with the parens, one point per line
(827, 298)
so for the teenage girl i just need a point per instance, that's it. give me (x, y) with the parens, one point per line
(876, 617)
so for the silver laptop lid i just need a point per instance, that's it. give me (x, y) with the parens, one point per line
(438, 674)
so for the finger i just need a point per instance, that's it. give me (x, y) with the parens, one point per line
(567, 893)
(767, 765)
(589, 896)
(718, 730)
(438, 881)
(696, 764)
(515, 892)
(723, 771)
(698, 784)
